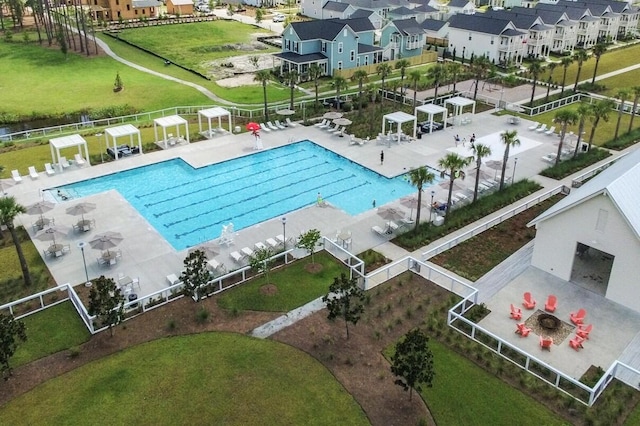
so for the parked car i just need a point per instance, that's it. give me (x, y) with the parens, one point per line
(334, 102)
(279, 17)
(424, 126)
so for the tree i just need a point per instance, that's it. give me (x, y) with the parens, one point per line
(315, 72)
(419, 178)
(565, 118)
(402, 65)
(308, 241)
(9, 209)
(597, 51)
(580, 56)
(599, 111)
(117, 84)
(584, 111)
(636, 96)
(106, 302)
(454, 165)
(12, 332)
(291, 77)
(361, 77)
(412, 362)
(509, 138)
(259, 15)
(263, 76)
(339, 83)
(535, 68)
(552, 66)
(480, 69)
(384, 71)
(195, 274)
(414, 78)
(436, 73)
(454, 69)
(480, 151)
(345, 300)
(261, 261)
(623, 95)
(566, 62)
(255, 60)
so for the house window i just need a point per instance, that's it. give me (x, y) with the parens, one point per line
(339, 65)
(136, 11)
(353, 55)
(470, 37)
(344, 33)
(95, 2)
(128, 7)
(117, 2)
(324, 47)
(601, 223)
(296, 47)
(491, 40)
(340, 47)
(144, 11)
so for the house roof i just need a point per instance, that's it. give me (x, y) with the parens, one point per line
(619, 182)
(300, 59)
(328, 29)
(357, 24)
(335, 6)
(361, 13)
(459, 3)
(548, 16)
(408, 26)
(478, 23)
(402, 11)
(432, 24)
(520, 20)
(182, 2)
(146, 3)
(366, 48)
(425, 8)
(377, 4)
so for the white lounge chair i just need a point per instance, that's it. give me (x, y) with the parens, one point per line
(272, 126)
(379, 231)
(290, 123)
(50, 171)
(534, 126)
(15, 174)
(79, 160)
(173, 279)
(550, 158)
(323, 123)
(216, 267)
(280, 239)
(64, 163)
(264, 127)
(247, 252)
(338, 130)
(550, 131)
(33, 172)
(260, 246)
(237, 257)
(279, 125)
(330, 128)
(272, 243)
(541, 128)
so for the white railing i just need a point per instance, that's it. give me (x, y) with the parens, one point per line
(577, 181)
(12, 307)
(490, 223)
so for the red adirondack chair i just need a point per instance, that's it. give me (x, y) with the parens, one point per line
(552, 302)
(578, 317)
(516, 313)
(529, 302)
(583, 331)
(546, 342)
(576, 343)
(523, 330)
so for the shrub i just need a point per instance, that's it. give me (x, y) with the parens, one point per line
(171, 324)
(202, 315)
(624, 141)
(572, 165)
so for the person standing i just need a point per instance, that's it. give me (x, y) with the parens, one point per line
(381, 157)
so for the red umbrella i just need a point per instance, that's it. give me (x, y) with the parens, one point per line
(253, 126)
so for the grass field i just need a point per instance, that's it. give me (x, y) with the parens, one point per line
(199, 379)
(52, 330)
(292, 290)
(626, 80)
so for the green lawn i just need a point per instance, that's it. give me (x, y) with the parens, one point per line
(206, 378)
(625, 80)
(50, 331)
(295, 286)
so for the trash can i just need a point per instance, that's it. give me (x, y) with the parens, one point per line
(237, 129)
(419, 135)
(133, 297)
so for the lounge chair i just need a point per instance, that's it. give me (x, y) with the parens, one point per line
(379, 231)
(50, 171)
(578, 317)
(552, 302)
(323, 123)
(64, 163)
(529, 302)
(260, 246)
(534, 126)
(583, 331)
(338, 130)
(522, 330)
(516, 313)
(216, 267)
(15, 174)
(79, 160)
(550, 158)
(264, 127)
(173, 279)
(546, 342)
(247, 252)
(576, 343)
(331, 128)
(541, 128)
(272, 243)
(237, 257)
(33, 172)
(550, 131)
(279, 125)
(272, 126)
(290, 123)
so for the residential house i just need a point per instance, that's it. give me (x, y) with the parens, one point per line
(465, 7)
(428, 12)
(180, 7)
(596, 228)
(372, 16)
(497, 39)
(435, 32)
(403, 13)
(113, 10)
(608, 20)
(332, 44)
(336, 10)
(539, 36)
(565, 33)
(313, 8)
(402, 38)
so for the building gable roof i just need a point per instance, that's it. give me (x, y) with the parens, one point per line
(619, 182)
(407, 26)
(520, 20)
(356, 24)
(459, 3)
(479, 24)
(402, 11)
(362, 13)
(550, 17)
(425, 8)
(378, 4)
(328, 29)
(335, 6)
(432, 24)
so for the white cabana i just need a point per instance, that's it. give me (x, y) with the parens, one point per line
(398, 117)
(170, 121)
(56, 144)
(120, 131)
(216, 112)
(431, 110)
(458, 103)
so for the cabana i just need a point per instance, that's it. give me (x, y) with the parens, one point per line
(398, 117)
(56, 144)
(170, 121)
(431, 110)
(216, 112)
(120, 131)
(458, 103)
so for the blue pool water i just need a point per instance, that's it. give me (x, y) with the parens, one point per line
(188, 205)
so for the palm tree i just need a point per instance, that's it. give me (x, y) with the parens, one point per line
(9, 209)
(263, 76)
(454, 72)
(402, 65)
(480, 69)
(535, 68)
(415, 77)
(599, 111)
(597, 51)
(566, 62)
(636, 96)
(580, 57)
(291, 77)
(479, 152)
(384, 70)
(419, 178)
(623, 95)
(552, 66)
(454, 165)
(566, 118)
(361, 77)
(315, 72)
(339, 83)
(584, 111)
(436, 73)
(509, 138)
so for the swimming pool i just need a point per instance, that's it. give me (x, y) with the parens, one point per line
(188, 205)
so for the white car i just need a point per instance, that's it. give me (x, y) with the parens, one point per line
(279, 17)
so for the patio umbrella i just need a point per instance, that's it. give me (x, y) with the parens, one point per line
(285, 111)
(81, 209)
(50, 233)
(495, 165)
(41, 207)
(411, 202)
(342, 121)
(390, 214)
(210, 250)
(5, 184)
(106, 241)
(332, 115)
(456, 186)
(252, 126)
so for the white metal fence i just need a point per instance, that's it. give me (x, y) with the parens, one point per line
(578, 180)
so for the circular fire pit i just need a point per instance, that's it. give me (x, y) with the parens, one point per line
(549, 322)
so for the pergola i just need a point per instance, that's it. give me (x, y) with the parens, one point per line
(170, 121)
(458, 103)
(216, 112)
(56, 144)
(120, 131)
(398, 117)
(431, 110)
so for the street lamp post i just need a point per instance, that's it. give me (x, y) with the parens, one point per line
(284, 231)
(81, 245)
(431, 207)
(513, 175)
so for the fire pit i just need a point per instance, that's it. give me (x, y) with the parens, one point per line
(549, 322)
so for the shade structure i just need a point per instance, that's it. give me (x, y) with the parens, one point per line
(389, 213)
(50, 233)
(56, 144)
(211, 113)
(495, 165)
(456, 186)
(332, 115)
(253, 126)
(6, 184)
(342, 121)
(398, 117)
(81, 209)
(40, 208)
(285, 111)
(106, 241)
(210, 250)
(170, 121)
(122, 131)
(410, 202)
(457, 104)
(431, 110)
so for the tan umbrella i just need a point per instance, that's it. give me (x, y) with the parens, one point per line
(209, 249)
(6, 184)
(40, 208)
(410, 202)
(495, 165)
(332, 115)
(342, 121)
(81, 209)
(456, 186)
(106, 241)
(50, 233)
(285, 111)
